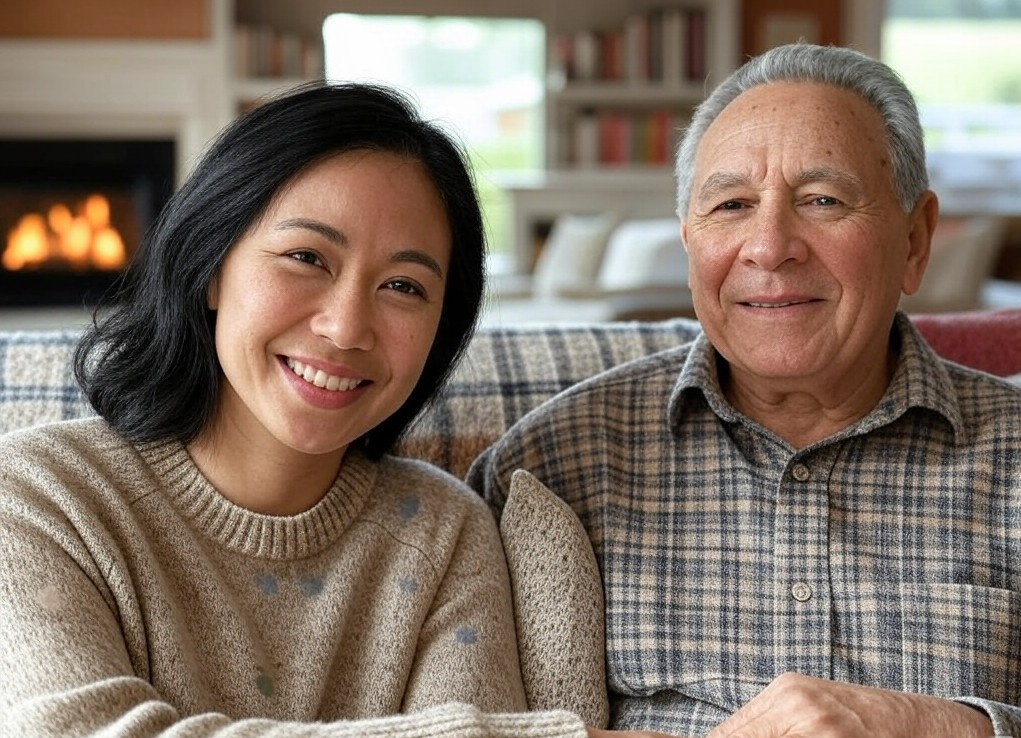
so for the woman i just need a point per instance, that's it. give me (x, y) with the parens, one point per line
(228, 549)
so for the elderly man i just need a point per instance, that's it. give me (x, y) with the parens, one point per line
(806, 521)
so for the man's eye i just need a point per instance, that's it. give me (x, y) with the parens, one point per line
(730, 205)
(825, 201)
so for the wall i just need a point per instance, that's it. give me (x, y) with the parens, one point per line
(768, 23)
(125, 79)
(105, 19)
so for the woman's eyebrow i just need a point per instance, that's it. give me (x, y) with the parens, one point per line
(418, 257)
(327, 231)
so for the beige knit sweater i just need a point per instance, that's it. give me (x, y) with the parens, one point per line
(137, 601)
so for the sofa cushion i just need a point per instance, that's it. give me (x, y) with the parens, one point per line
(508, 371)
(558, 602)
(36, 383)
(989, 340)
(505, 373)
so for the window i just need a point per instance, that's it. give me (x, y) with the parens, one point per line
(483, 77)
(962, 60)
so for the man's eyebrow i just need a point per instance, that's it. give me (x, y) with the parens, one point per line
(718, 182)
(413, 256)
(722, 181)
(826, 174)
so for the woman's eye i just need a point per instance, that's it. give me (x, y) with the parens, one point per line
(306, 257)
(405, 286)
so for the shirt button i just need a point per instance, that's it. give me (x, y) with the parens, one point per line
(801, 591)
(801, 473)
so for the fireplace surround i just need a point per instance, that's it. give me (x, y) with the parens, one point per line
(114, 90)
(72, 211)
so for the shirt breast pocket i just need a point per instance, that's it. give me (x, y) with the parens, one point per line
(961, 640)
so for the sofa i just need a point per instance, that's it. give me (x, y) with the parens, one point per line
(508, 371)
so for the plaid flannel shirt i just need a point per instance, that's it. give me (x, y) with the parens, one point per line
(888, 554)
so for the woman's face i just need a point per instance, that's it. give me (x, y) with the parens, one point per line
(326, 309)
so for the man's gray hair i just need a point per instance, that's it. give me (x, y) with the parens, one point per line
(851, 70)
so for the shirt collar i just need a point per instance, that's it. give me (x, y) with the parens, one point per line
(921, 380)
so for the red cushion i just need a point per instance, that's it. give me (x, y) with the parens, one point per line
(989, 340)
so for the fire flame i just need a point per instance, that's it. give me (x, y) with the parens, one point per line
(85, 240)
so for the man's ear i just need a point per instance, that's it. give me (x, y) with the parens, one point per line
(922, 226)
(684, 245)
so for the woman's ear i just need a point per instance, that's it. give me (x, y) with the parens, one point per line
(213, 293)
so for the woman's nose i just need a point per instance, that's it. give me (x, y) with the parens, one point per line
(346, 317)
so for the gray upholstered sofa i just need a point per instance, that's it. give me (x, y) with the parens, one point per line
(558, 602)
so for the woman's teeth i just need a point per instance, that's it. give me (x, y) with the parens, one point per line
(321, 379)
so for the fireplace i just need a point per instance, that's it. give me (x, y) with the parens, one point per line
(73, 211)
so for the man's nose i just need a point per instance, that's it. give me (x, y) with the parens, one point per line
(773, 237)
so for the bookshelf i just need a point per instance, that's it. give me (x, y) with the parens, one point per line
(627, 72)
(619, 93)
(266, 55)
(646, 102)
(267, 59)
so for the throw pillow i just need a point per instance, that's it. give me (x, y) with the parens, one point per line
(558, 602)
(573, 251)
(644, 253)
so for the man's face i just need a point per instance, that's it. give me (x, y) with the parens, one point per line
(798, 248)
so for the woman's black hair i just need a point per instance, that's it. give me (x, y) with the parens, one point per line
(150, 366)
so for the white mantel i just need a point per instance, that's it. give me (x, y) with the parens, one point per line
(129, 89)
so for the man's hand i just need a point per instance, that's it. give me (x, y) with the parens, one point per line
(601, 733)
(797, 706)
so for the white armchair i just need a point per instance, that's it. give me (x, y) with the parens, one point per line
(962, 259)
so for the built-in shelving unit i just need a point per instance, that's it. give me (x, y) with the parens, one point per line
(267, 59)
(265, 52)
(620, 92)
(612, 125)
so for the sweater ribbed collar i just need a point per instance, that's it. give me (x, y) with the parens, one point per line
(256, 534)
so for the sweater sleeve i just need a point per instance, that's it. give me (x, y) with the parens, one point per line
(138, 717)
(467, 647)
